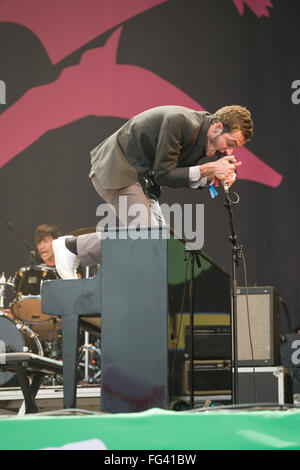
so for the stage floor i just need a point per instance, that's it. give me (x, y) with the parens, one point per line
(49, 398)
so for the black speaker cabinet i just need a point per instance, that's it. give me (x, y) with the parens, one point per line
(210, 377)
(262, 325)
(269, 385)
(210, 342)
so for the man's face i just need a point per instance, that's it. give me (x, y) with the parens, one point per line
(219, 143)
(46, 251)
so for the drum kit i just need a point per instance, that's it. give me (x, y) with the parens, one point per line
(25, 328)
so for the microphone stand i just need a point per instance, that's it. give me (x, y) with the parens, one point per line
(33, 257)
(194, 256)
(236, 255)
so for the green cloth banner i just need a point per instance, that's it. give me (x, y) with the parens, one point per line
(157, 430)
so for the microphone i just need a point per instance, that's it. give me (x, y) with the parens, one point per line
(231, 196)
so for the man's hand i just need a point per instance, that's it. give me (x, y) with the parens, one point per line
(229, 180)
(223, 169)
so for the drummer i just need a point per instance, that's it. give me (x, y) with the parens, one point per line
(43, 236)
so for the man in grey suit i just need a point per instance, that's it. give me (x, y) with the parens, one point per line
(162, 146)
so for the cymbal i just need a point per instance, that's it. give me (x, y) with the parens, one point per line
(82, 231)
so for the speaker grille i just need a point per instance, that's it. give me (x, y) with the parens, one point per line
(259, 315)
(264, 326)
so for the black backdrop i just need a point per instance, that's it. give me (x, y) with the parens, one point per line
(204, 52)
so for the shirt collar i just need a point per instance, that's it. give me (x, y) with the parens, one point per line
(203, 132)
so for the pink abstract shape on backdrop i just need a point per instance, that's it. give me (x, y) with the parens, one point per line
(83, 90)
(96, 86)
(259, 7)
(65, 26)
(255, 169)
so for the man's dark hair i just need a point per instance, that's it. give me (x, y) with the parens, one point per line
(235, 118)
(46, 230)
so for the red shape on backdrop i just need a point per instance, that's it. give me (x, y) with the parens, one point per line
(97, 86)
(64, 26)
(259, 7)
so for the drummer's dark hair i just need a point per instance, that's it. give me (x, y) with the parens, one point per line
(46, 230)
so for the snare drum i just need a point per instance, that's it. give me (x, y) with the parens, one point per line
(16, 337)
(27, 305)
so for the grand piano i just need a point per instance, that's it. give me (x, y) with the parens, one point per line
(138, 293)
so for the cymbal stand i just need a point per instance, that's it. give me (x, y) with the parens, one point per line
(33, 256)
(86, 346)
(2, 290)
(193, 256)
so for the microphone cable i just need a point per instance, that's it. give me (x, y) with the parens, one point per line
(249, 325)
(176, 334)
(233, 198)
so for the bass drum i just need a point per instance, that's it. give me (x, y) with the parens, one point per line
(16, 337)
(28, 279)
(27, 305)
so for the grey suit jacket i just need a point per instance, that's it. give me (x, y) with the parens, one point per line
(166, 139)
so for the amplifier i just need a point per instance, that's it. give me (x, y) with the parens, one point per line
(210, 377)
(263, 323)
(210, 342)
